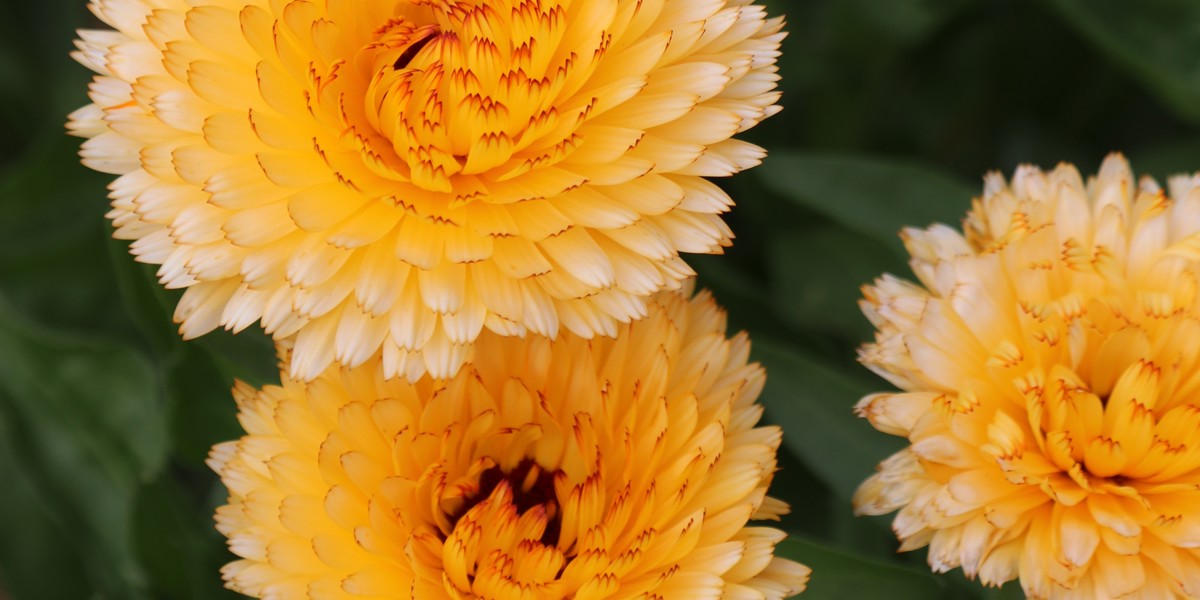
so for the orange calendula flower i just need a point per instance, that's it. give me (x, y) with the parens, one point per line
(567, 468)
(1050, 374)
(398, 175)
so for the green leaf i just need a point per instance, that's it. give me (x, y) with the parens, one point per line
(813, 403)
(744, 297)
(249, 355)
(35, 540)
(53, 258)
(871, 196)
(906, 21)
(1010, 591)
(1155, 40)
(39, 82)
(88, 419)
(203, 412)
(816, 277)
(838, 576)
(177, 545)
(1167, 160)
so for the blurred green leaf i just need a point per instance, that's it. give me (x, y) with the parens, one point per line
(1010, 591)
(1158, 41)
(744, 297)
(101, 390)
(39, 82)
(816, 276)
(149, 305)
(874, 197)
(814, 404)
(52, 242)
(906, 21)
(838, 576)
(1167, 160)
(34, 538)
(203, 411)
(177, 544)
(88, 419)
(807, 495)
(249, 355)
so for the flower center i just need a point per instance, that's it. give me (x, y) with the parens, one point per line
(404, 101)
(457, 100)
(531, 487)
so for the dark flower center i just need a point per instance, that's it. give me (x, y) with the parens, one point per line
(531, 486)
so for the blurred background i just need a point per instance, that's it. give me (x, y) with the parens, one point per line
(894, 109)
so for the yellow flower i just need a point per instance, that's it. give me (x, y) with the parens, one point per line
(398, 175)
(1050, 371)
(573, 468)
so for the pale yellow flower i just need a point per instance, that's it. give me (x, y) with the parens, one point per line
(397, 175)
(1050, 377)
(572, 468)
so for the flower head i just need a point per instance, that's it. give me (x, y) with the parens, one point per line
(571, 468)
(398, 175)
(1049, 369)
